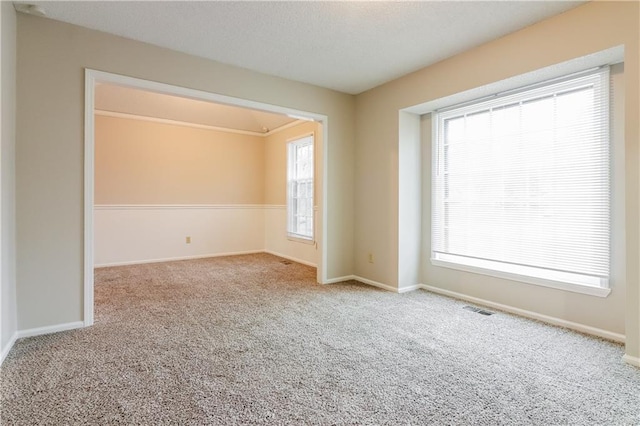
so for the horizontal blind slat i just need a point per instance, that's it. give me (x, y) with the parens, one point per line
(525, 179)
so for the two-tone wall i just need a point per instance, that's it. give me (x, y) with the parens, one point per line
(158, 184)
(52, 58)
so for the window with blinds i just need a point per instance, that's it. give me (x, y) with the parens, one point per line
(521, 183)
(300, 188)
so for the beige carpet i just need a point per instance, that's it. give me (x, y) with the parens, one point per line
(251, 340)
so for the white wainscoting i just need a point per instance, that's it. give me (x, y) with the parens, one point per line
(127, 234)
(276, 241)
(130, 234)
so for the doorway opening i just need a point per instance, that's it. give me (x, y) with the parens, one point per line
(125, 102)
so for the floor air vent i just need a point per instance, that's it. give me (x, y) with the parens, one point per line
(478, 310)
(285, 262)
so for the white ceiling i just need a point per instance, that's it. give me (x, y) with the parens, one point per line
(111, 98)
(348, 46)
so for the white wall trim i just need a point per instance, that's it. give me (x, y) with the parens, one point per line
(180, 206)
(371, 283)
(89, 183)
(529, 314)
(130, 116)
(407, 289)
(7, 348)
(284, 127)
(635, 361)
(375, 284)
(559, 285)
(50, 329)
(204, 256)
(173, 259)
(294, 259)
(339, 279)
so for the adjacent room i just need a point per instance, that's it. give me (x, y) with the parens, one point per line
(320, 212)
(182, 178)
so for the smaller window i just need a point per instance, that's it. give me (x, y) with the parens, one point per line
(300, 188)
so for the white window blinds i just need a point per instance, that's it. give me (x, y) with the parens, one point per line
(300, 188)
(521, 182)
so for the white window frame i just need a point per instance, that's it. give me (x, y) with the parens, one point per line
(597, 286)
(292, 181)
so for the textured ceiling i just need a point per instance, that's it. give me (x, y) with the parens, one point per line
(112, 98)
(347, 46)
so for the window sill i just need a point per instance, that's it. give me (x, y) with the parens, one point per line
(309, 241)
(575, 288)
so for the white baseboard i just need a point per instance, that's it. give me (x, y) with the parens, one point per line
(616, 337)
(294, 259)
(375, 284)
(409, 288)
(635, 361)
(340, 279)
(172, 259)
(37, 332)
(7, 348)
(49, 329)
(182, 206)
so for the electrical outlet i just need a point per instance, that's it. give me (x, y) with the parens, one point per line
(188, 240)
(370, 257)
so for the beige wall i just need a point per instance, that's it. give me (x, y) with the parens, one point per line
(49, 158)
(275, 190)
(7, 167)
(584, 30)
(142, 162)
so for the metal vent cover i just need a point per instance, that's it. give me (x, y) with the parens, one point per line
(478, 310)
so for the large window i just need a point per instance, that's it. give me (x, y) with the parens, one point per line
(521, 183)
(300, 188)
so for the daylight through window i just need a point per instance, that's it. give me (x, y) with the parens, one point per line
(521, 183)
(300, 188)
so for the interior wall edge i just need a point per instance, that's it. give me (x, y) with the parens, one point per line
(8, 215)
(49, 329)
(632, 360)
(7, 347)
(292, 258)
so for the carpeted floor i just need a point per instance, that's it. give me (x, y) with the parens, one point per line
(251, 340)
